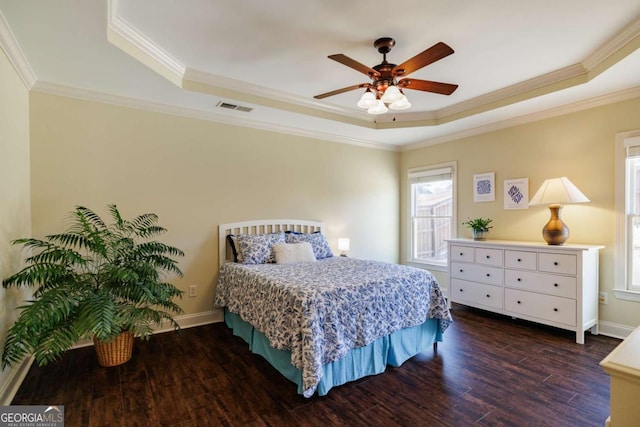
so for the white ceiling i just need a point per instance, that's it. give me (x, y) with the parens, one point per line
(513, 61)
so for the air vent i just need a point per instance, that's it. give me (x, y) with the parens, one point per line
(228, 106)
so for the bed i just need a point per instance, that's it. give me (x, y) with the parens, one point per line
(322, 320)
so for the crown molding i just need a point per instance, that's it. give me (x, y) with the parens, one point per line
(617, 43)
(490, 100)
(14, 53)
(213, 80)
(586, 104)
(126, 37)
(226, 118)
(142, 48)
(229, 88)
(229, 119)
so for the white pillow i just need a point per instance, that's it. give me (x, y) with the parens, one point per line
(290, 253)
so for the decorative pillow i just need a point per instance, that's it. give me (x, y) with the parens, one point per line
(258, 248)
(233, 244)
(318, 242)
(290, 253)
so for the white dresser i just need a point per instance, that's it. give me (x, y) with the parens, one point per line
(554, 285)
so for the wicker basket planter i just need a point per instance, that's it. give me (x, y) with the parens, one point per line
(116, 352)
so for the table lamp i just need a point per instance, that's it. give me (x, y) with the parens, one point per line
(556, 192)
(343, 246)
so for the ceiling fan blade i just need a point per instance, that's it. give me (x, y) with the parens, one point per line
(352, 63)
(428, 86)
(429, 56)
(339, 91)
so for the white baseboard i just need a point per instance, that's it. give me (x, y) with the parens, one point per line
(614, 330)
(14, 377)
(185, 321)
(192, 320)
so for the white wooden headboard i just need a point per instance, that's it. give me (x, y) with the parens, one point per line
(261, 226)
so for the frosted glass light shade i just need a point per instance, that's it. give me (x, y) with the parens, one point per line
(401, 104)
(367, 100)
(379, 108)
(391, 94)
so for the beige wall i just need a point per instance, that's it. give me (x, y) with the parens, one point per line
(196, 174)
(579, 146)
(15, 211)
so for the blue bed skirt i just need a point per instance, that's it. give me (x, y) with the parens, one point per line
(394, 350)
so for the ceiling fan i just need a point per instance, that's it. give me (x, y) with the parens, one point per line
(384, 88)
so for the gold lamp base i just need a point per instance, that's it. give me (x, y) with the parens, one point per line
(555, 232)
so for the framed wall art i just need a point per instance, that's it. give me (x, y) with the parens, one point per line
(484, 187)
(516, 193)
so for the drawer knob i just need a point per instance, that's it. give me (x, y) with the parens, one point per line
(519, 279)
(461, 253)
(461, 270)
(555, 263)
(555, 309)
(461, 290)
(519, 260)
(488, 256)
(555, 284)
(488, 275)
(519, 302)
(488, 296)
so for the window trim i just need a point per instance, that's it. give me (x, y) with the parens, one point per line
(454, 216)
(621, 270)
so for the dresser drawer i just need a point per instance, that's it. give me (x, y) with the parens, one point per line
(461, 253)
(521, 259)
(544, 307)
(563, 286)
(489, 256)
(476, 294)
(557, 263)
(477, 273)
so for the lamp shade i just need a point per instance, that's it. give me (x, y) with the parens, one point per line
(343, 244)
(557, 191)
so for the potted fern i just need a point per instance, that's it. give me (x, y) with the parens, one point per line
(479, 226)
(95, 280)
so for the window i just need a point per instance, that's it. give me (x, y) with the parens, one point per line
(628, 216)
(432, 213)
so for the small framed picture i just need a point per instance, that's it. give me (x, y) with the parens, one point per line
(484, 187)
(516, 193)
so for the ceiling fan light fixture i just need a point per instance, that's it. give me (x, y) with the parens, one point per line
(367, 100)
(401, 104)
(378, 108)
(391, 94)
(385, 86)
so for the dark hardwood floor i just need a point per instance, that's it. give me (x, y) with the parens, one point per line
(489, 371)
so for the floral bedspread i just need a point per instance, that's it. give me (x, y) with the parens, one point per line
(321, 310)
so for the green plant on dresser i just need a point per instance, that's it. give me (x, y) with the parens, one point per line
(97, 281)
(479, 226)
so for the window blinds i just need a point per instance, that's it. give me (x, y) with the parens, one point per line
(434, 175)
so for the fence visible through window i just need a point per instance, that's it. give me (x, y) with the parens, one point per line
(432, 220)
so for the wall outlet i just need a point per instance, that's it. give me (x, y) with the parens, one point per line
(603, 298)
(193, 291)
